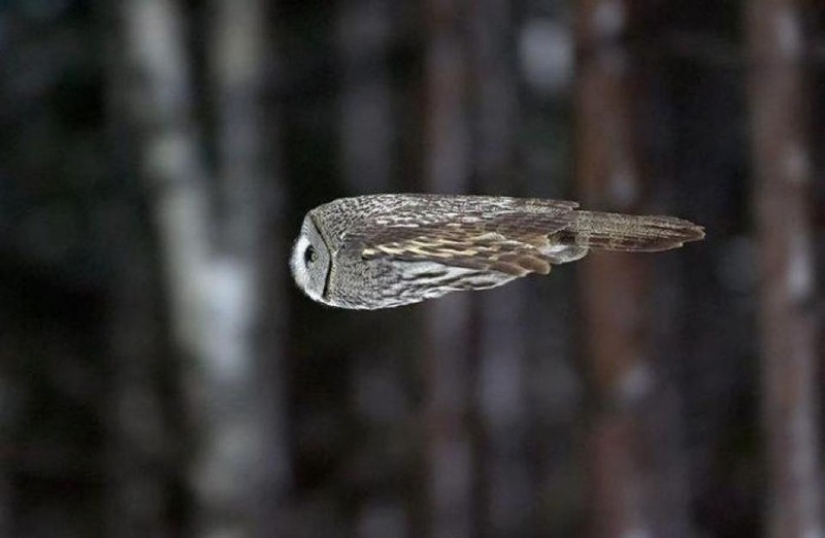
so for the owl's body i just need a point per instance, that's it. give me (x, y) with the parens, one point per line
(387, 250)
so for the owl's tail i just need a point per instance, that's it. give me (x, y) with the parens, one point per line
(613, 231)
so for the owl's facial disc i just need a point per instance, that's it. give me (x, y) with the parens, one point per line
(310, 261)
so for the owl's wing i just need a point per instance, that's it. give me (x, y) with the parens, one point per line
(499, 234)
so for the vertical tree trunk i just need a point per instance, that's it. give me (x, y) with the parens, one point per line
(448, 450)
(613, 286)
(781, 161)
(502, 467)
(177, 182)
(160, 113)
(365, 34)
(141, 434)
(220, 272)
(255, 246)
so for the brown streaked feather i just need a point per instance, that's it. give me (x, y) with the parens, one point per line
(642, 233)
(507, 240)
(511, 236)
(496, 216)
(466, 247)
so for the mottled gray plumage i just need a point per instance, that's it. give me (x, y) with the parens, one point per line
(387, 250)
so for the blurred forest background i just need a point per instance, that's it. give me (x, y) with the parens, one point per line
(160, 376)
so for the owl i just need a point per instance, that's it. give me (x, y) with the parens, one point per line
(388, 250)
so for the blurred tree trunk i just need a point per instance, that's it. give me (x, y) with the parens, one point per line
(447, 377)
(365, 35)
(220, 271)
(613, 285)
(143, 445)
(781, 164)
(255, 242)
(506, 503)
(615, 289)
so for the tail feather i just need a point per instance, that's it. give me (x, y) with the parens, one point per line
(613, 231)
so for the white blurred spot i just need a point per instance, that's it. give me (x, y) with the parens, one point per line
(227, 457)
(167, 155)
(546, 54)
(623, 187)
(227, 285)
(609, 17)
(789, 35)
(636, 383)
(800, 268)
(814, 533)
(797, 164)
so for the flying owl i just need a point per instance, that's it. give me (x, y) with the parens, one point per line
(387, 250)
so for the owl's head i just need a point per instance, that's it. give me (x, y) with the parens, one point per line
(310, 261)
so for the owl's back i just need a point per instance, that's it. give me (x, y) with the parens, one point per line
(404, 213)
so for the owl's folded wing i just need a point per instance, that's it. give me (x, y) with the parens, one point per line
(511, 238)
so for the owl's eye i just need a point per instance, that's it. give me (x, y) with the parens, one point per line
(310, 255)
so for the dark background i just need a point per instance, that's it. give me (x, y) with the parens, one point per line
(161, 376)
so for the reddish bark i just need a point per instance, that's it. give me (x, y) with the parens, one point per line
(781, 165)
